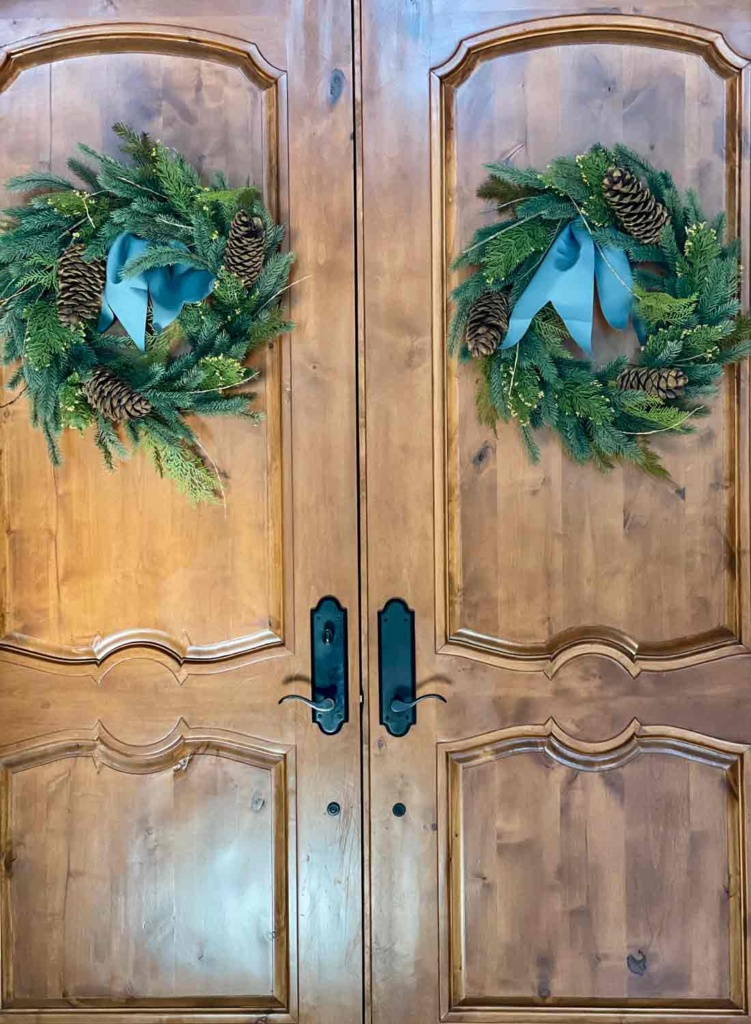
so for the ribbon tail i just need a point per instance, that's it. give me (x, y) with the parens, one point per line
(574, 294)
(614, 285)
(541, 288)
(566, 280)
(518, 325)
(106, 317)
(127, 300)
(576, 313)
(640, 328)
(131, 309)
(171, 287)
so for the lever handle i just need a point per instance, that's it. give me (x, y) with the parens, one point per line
(397, 674)
(321, 706)
(328, 701)
(399, 706)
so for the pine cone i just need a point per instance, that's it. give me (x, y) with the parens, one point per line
(666, 382)
(487, 323)
(245, 248)
(635, 207)
(79, 286)
(115, 398)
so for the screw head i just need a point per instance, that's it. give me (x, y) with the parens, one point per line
(333, 809)
(399, 810)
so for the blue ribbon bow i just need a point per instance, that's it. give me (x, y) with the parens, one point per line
(566, 278)
(169, 288)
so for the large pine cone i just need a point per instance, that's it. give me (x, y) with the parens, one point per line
(79, 286)
(245, 248)
(666, 382)
(635, 207)
(115, 398)
(487, 323)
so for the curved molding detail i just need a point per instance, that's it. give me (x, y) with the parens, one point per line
(566, 646)
(629, 652)
(605, 755)
(271, 81)
(172, 751)
(102, 648)
(89, 40)
(595, 28)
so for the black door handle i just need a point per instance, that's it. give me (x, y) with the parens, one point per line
(329, 677)
(398, 698)
(399, 706)
(322, 706)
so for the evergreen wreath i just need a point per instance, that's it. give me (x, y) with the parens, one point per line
(79, 375)
(684, 286)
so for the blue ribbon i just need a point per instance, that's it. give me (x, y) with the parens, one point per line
(566, 278)
(169, 288)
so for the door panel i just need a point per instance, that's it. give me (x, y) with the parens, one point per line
(150, 826)
(574, 845)
(166, 843)
(577, 852)
(612, 568)
(224, 91)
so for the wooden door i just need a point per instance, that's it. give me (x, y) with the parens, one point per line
(573, 836)
(167, 850)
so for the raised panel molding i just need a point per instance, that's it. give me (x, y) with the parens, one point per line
(180, 650)
(576, 854)
(456, 632)
(162, 823)
(271, 84)
(172, 750)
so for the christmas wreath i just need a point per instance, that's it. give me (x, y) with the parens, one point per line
(132, 305)
(605, 221)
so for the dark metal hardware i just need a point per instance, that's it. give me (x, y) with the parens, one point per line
(333, 808)
(396, 668)
(399, 810)
(323, 706)
(404, 705)
(329, 701)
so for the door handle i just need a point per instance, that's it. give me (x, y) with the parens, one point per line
(399, 706)
(397, 679)
(322, 706)
(329, 676)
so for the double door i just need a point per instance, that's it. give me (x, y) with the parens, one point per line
(565, 835)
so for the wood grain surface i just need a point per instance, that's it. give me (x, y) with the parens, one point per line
(166, 844)
(549, 883)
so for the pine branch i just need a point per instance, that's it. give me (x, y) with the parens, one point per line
(502, 192)
(661, 308)
(83, 171)
(185, 468)
(178, 179)
(157, 256)
(563, 176)
(507, 249)
(522, 177)
(35, 181)
(138, 146)
(46, 337)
